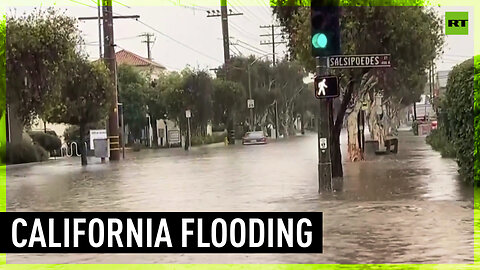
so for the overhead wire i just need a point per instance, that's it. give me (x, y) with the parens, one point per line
(179, 42)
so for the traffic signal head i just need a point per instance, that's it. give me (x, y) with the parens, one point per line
(325, 27)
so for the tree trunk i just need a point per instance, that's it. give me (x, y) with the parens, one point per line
(302, 124)
(154, 132)
(354, 151)
(82, 145)
(336, 154)
(335, 149)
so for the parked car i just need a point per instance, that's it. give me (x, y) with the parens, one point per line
(254, 137)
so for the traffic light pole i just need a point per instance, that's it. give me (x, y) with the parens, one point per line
(324, 160)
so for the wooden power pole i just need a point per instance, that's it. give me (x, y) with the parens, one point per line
(148, 40)
(110, 61)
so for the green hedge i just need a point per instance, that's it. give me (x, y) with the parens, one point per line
(440, 142)
(477, 120)
(48, 141)
(458, 116)
(24, 152)
(200, 140)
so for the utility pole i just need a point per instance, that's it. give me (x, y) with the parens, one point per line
(324, 134)
(272, 42)
(110, 61)
(99, 30)
(223, 14)
(148, 41)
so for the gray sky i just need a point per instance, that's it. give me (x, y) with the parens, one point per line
(190, 26)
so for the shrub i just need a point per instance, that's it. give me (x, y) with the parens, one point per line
(476, 112)
(439, 142)
(137, 147)
(216, 138)
(42, 154)
(415, 127)
(72, 134)
(48, 141)
(3, 153)
(459, 115)
(24, 152)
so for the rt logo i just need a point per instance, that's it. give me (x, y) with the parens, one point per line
(456, 23)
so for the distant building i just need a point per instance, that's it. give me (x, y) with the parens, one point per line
(141, 64)
(441, 83)
(154, 70)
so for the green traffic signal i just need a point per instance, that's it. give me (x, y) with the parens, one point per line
(319, 41)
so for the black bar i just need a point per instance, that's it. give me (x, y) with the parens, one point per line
(304, 232)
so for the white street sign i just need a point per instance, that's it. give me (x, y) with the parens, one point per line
(97, 134)
(250, 103)
(323, 143)
(188, 113)
(359, 61)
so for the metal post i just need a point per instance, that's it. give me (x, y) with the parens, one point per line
(324, 160)
(166, 134)
(188, 137)
(109, 56)
(250, 96)
(276, 120)
(122, 124)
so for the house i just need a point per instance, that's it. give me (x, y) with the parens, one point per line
(141, 64)
(153, 70)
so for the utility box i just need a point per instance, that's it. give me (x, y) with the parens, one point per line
(101, 148)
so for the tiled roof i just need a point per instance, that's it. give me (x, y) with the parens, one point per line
(129, 58)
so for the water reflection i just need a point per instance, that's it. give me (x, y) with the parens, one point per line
(403, 208)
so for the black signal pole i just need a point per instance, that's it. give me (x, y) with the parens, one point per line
(324, 159)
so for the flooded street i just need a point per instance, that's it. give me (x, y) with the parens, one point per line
(404, 208)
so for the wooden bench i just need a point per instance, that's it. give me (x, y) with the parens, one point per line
(389, 142)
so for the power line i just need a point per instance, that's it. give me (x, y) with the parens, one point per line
(272, 42)
(179, 42)
(120, 3)
(250, 49)
(245, 33)
(83, 4)
(253, 47)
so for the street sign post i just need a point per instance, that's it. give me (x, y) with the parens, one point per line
(326, 87)
(97, 134)
(359, 61)
(250, 103)
(188, 142)
(323, 143)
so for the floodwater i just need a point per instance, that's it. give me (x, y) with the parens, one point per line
(404, 208)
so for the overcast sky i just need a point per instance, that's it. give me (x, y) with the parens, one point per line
(185, 36)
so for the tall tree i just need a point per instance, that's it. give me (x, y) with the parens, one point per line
(371, 29)
(227, 100)
(37, 46)
(84, 98)
(288, 86)
(132, 91)
(198, 89)
(3, 86)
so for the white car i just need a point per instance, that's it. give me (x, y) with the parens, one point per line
(254, 137)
